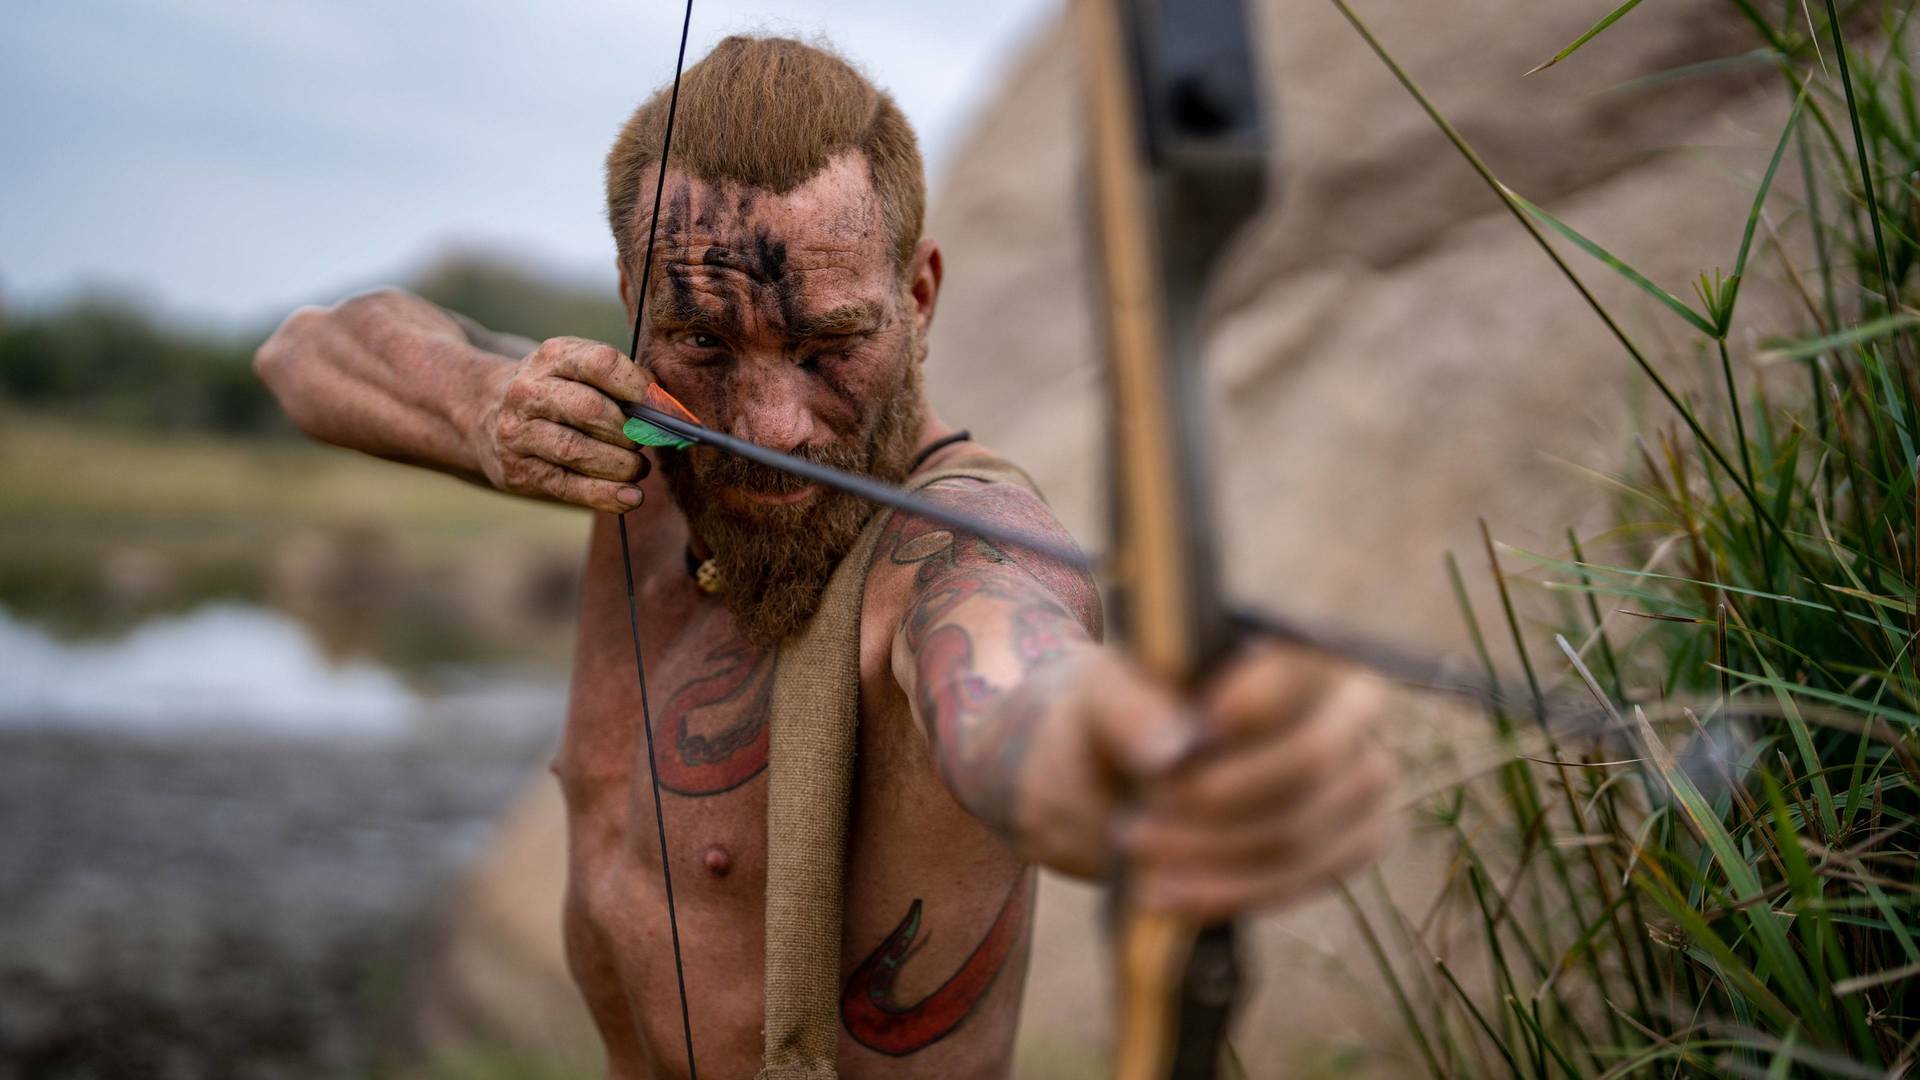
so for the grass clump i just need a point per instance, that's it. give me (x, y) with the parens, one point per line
(1717, 874)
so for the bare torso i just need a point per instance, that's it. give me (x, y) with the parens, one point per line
(938, 909)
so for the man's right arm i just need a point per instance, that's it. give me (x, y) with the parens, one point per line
(395, 376)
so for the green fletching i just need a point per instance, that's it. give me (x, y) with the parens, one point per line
(647, 435)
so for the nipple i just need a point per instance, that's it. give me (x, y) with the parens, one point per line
(718, 861)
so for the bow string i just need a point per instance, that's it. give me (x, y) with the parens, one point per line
(626, 561)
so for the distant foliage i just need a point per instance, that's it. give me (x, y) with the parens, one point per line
(107, 359)
(504, 297)
(111, 360)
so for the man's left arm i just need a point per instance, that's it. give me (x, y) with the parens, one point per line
(1266, 785)
(988, 639)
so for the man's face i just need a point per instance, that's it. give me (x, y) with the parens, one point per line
(781, 319)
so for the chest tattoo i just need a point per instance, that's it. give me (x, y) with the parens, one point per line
(879, 1022)
(714, 726)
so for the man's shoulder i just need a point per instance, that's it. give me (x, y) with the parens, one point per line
(914, 556)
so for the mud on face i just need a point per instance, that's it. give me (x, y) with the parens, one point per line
(774, 562)
(782, 319)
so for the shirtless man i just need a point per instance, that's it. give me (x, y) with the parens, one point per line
(790, 303)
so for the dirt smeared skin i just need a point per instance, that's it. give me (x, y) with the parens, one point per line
(780, 319)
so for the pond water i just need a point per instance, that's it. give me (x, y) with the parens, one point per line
(222, 853)
(220, 666)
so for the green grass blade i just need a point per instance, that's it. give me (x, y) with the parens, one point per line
(1859, 333)
(1803, 742)
(1675, 304)
(1654, 575)
(1812, 925)
(1540, 1036)
(1400, 1000)
(1844, 701)
(1770, 939)
(1891, 403)
(1753, 215)
(1478, 1019)
(1732, 969)
(1865, 160)
(1592, 32)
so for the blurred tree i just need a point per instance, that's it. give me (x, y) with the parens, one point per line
(109, 359)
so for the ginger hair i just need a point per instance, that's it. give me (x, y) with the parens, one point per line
(769, 113)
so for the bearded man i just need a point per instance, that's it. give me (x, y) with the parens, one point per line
(790, 305)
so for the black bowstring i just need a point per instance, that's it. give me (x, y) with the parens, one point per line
(626, 560)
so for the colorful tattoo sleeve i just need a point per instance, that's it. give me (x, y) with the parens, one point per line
(987, 639)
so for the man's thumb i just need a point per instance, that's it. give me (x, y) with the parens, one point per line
(1144, 730)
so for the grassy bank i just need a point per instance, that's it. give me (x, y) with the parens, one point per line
(1713, 873)
(102, 526)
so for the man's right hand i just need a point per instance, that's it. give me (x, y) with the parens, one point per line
(553, 429)
(390, 374)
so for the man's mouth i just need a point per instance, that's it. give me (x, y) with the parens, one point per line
(756, 497)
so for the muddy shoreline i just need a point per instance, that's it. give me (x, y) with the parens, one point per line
(235, 905)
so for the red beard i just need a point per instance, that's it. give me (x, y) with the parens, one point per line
(774, 560)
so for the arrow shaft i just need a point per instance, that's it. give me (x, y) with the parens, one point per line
(865, 487)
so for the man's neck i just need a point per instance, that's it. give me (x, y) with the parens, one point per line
(932, 430)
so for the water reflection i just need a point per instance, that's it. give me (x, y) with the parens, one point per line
(220, 666)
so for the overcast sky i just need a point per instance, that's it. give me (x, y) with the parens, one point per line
(228, 159)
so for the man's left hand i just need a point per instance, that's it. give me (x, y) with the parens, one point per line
(1268, 787)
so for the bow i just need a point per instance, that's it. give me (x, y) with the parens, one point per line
(1178, 165)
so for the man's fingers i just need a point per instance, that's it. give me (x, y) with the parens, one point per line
(1265, 687)
(1144, 730)
(526, 473)
(602, 367)
(610, 496)
(1224, 892)
(578, 405)
(577, 453)
(1235, 781)
(1261, 836)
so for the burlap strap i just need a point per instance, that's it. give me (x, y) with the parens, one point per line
(815, 715)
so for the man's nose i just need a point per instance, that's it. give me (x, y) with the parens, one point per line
(770, 409)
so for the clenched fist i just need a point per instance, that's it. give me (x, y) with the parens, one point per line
(554, 430)
(1268, 786)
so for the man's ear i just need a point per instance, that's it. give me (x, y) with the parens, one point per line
(923, 282)
(626, 288)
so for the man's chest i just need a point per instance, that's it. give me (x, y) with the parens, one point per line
(920, 871)
(708, 696)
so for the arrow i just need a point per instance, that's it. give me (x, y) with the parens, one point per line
(684, 432)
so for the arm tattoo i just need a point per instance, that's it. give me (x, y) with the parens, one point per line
(878, 1022)
(938, 552)
(1041, 631)
(715, 725)
(980, 739)
(982, 722)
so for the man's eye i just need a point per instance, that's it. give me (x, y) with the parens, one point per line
(825, 347)
(704, 341)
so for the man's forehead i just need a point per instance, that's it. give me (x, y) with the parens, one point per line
(833, 219)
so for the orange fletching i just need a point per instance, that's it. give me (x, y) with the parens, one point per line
(657, 398)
